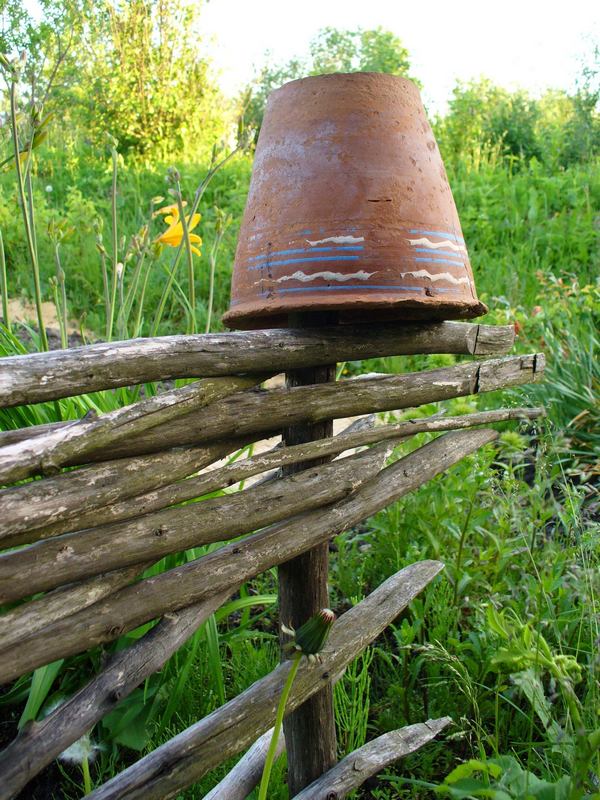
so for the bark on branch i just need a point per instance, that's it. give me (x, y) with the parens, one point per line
(29, 618)
(47, 376)
(67, 502)
(235, 563)
(270, 410)
(48, 507)
(75, 556)
(70, 443)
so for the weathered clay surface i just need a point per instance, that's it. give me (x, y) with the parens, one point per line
(350, 209)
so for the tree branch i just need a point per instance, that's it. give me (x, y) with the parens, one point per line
(270, 410)
(75, 556)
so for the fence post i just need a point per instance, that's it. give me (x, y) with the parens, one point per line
(310, 730)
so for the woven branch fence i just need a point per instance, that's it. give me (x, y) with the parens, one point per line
(76, 543)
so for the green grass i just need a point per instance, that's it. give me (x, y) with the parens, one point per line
(81, 200)
(518, 225)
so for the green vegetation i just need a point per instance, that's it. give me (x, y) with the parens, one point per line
(506, 642)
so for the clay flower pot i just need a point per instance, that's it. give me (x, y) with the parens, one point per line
(349, 210)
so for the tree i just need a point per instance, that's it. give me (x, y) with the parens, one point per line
(130, 68)
(44, 46)
(557, 129)
(375, 50)
(482, 116)
(145, 80)
(331, 50)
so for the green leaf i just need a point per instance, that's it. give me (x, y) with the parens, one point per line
(214, 657)
(531, 686)
(472, 766)
(497, 623)
(245, 602)
(127, 724)
(41, 683)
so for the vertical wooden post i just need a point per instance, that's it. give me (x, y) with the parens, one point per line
(310, 730)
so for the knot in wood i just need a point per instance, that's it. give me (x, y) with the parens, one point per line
(49, 467)
(64, 552)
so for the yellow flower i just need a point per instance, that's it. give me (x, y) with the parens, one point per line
(173, 236)
(172, 210)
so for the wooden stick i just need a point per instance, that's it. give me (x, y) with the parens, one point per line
(29, 618)
(370, 759)
(272, 410)
(251, 412)
(364, 423)
(246, 775)
(75, 556)
(234, 563)
(48, 376)
(47, 453)
(52, 500)
(233, 727)
(20, 434)
(98, 495)
(41, 742)
(16, 435)
(70, 500)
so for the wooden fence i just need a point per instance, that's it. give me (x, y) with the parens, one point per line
(77, 542)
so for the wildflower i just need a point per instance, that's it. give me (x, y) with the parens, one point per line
(173, 236)
(81, 750)
(48, 188)
(311, 637)
(308, 640)
(171, 212)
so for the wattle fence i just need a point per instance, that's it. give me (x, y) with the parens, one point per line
(106, 505)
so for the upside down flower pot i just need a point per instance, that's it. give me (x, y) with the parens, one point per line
(349, 210)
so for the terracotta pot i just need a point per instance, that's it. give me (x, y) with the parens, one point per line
(349, 210)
